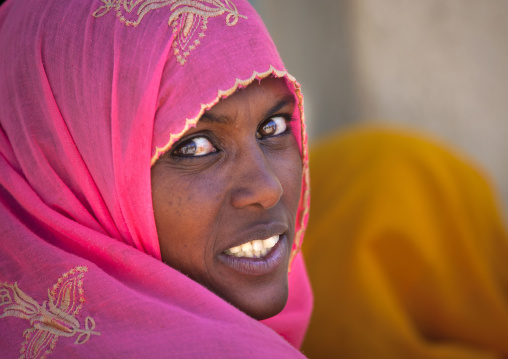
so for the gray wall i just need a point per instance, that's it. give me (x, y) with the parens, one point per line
(440, 66)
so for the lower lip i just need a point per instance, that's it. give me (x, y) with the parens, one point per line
(259, 266)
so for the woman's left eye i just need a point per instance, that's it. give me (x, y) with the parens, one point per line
(272, 127)
(194, 147)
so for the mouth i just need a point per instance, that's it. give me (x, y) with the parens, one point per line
(257, 257)
(257, 248)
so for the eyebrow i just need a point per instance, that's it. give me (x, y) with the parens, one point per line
(208, 117)
(283, 102)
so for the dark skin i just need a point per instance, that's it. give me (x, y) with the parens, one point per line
(233, 178)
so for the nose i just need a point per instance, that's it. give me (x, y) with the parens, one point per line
(256, 183)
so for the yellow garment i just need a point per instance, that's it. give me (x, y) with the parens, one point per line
(406, 252)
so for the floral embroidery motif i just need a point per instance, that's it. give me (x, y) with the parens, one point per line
(188, 18)
(53, 319)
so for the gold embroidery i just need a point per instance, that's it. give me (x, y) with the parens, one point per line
(306, 177)
(54, 318)
(187, 18)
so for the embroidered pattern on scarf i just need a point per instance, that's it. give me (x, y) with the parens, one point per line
(189, 18)
(53, 319)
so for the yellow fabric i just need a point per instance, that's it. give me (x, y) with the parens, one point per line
(406, 252)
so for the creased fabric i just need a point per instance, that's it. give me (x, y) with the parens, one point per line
(406, 251)
(92, 92)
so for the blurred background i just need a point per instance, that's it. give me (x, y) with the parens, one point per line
(437, 66)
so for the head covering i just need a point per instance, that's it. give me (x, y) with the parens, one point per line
(92, 93)
(406, 251)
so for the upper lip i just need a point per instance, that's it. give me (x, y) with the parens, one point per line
(258, 231)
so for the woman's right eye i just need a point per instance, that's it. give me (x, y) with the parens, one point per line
(194, 147)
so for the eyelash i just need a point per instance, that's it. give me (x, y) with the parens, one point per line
(287, 118)
(186, 141)
(289, 130)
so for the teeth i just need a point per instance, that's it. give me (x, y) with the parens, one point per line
(247, 247)
(235, 249)
(270, 242)
(257, 248)
(257, 245)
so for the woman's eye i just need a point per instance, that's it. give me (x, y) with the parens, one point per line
(197, 146)
(272, 127)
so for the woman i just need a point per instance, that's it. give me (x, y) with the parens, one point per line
(148, 150)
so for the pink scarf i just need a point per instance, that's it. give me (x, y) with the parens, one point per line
(92, 92)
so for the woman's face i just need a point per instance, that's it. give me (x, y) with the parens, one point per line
(225, 198)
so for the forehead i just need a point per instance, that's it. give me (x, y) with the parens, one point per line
(257, 96)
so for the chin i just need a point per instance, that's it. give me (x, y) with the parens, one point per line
(262, 302)
(265, 312)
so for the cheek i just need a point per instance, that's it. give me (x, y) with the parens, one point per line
(290, 175)
(185, 215)
(171, 220)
